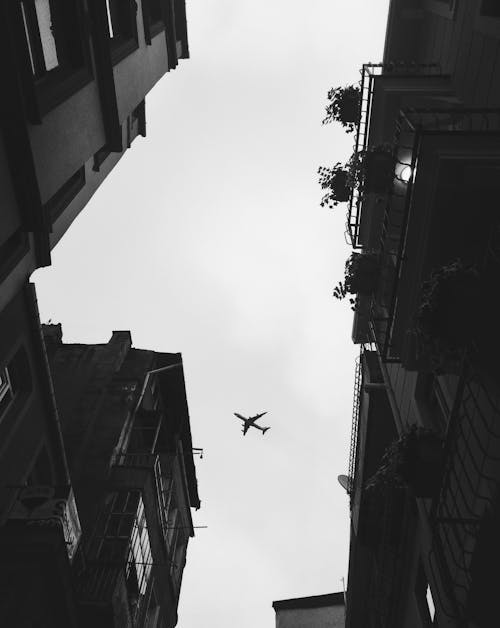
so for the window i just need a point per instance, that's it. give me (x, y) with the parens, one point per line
(57, 203)
(56, 48)
(125, 541)
(152, 13)
(431, 401)
(122, 27)
(53, 36)
(144, 433)
(15, 380)
(139, 560)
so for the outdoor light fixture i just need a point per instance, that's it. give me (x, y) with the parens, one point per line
(405, 173)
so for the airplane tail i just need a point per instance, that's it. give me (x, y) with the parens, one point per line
(264, 430)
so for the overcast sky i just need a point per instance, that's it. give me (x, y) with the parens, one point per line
(208, 239)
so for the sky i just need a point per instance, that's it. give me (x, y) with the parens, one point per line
(208, 238)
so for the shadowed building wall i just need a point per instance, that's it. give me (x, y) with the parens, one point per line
(423, 549)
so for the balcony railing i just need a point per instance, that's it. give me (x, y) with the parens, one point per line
(469, 489)
(353, 448)
(411, 125)
(369, 72)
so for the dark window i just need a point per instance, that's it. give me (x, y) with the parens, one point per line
(122, 26)
(490, 8)
(153, 17)
(155, 11)
(431, 401)
(53, 35)
(15, 380)
(57, 203)
(57, 48)
(144, 433)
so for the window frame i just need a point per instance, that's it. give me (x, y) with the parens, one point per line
(125, 13)
(18, 384)
(51, 87)
(125, 538)
(152, 26)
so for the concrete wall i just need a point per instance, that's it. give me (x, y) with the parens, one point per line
(325, 617)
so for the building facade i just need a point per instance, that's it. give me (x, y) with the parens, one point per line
(315, 611)
(126, 430)
(76, 73)
(424, 225)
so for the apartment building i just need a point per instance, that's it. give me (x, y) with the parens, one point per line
(424, 225)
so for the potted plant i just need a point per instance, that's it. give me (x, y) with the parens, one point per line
(361, 276)
(337, 181)
(449, 317)
(376, 166)
(415, 461)
(344, 107)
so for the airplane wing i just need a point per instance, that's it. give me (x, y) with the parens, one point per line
(257, 416)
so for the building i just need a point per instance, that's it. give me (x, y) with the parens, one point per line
(76, 73)
(315, 611)
(424, 226)
(126, 430)
(74, 89)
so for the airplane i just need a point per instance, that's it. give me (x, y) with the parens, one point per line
(251, 422)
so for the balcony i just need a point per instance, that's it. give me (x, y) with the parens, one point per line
(465, 516)
(416, 225)
(403, 74)
(48, 506)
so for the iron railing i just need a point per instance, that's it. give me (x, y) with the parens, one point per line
(411, 126)
(468, 490)
(353, 447)
(369, 72)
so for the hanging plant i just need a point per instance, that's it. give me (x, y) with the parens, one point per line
(337, 181)
(415, 460)
(361, 276)
(449, 317)
(344, 107)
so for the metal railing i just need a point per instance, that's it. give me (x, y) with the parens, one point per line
(412, 124)
(353, 447)
(369, 72)
(469, 487)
